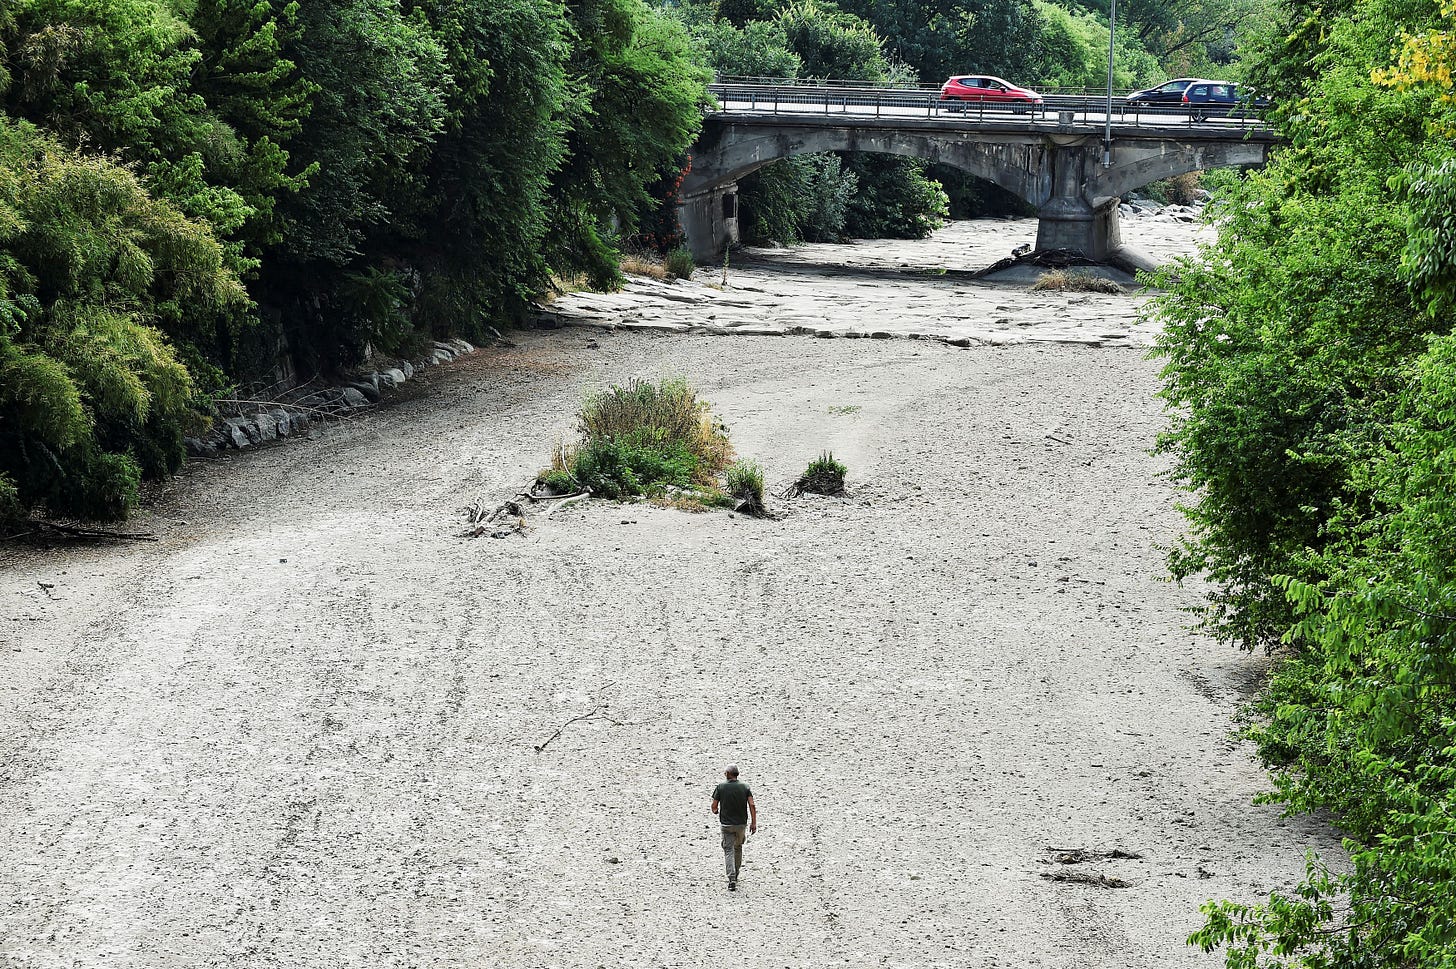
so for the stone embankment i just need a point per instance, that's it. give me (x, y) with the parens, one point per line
(245, 424)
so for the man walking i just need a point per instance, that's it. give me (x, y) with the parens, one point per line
(733, 803)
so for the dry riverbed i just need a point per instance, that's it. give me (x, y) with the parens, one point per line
(301, 729)
(890, 288)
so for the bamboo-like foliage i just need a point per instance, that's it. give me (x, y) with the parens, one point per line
(92, 393)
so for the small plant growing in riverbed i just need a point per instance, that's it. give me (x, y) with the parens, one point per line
(745, 488)
(680, 263)
(642, 439)
(1077, 281)
(824, 476)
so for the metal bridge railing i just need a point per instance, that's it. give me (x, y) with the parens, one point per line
(913, 104)
(824, 82)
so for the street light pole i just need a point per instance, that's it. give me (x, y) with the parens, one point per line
(1111, 48)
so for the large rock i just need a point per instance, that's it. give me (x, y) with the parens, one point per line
(267, 426)
(398, 376)
(233, 433)
(407, 369)
(368, 389)
(282, 421)
(201, 447)
(386, 379)
(354, 397)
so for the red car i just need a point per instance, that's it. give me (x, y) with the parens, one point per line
(990, 91)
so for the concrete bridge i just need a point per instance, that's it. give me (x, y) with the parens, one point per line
(1052, 159)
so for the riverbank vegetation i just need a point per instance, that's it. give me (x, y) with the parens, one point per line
(198, 195)
(1311, 369)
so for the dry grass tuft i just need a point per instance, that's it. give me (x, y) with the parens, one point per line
(641, 264)
(1076, 281)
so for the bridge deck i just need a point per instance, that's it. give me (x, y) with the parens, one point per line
(1011, 125)
(921, 110)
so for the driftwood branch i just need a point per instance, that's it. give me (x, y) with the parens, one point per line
(597, 712)
(567, 500)
(482, 518)
(78, 532)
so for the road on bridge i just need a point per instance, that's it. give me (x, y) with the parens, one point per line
(1059, 112)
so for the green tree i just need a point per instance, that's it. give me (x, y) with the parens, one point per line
(92, 394)
(638, 94)
(483, 219)
(1313, 378)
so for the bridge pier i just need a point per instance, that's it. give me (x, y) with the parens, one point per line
(1071, 222)
(1069, 218)
(709, 222)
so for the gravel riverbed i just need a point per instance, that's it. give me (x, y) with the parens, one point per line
(302, 728)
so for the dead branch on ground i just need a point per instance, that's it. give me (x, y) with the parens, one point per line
(75, 531)
(597, 712)
(1085, 878)
(482, 517)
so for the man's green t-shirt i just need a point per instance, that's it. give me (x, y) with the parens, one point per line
(732, 798)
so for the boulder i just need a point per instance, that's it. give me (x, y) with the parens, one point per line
(386, 380)
(267, 426)
(282, 421)
(250, 428)
(201, 447)
(443, 356)
(233, 430)
(366, 388)
(407, 369)
(397, 375)
(355, 397)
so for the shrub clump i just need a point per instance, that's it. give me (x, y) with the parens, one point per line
(745, 489)
(641, 440)
(824, 476)
(679, 263)
(1076, 281)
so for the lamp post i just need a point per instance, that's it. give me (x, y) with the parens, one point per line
(1107, 126)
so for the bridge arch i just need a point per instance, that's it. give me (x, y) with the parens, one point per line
(737, 153)
(1136, 166)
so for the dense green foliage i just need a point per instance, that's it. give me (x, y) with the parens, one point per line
(1311, 364)
(95, 275)
(254, 184)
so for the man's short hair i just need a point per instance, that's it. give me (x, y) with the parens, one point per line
(731, 770)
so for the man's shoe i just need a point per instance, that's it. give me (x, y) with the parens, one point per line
(733, 884)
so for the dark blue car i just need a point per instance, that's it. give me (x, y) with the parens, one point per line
(1169, 92)
(1218, 99)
